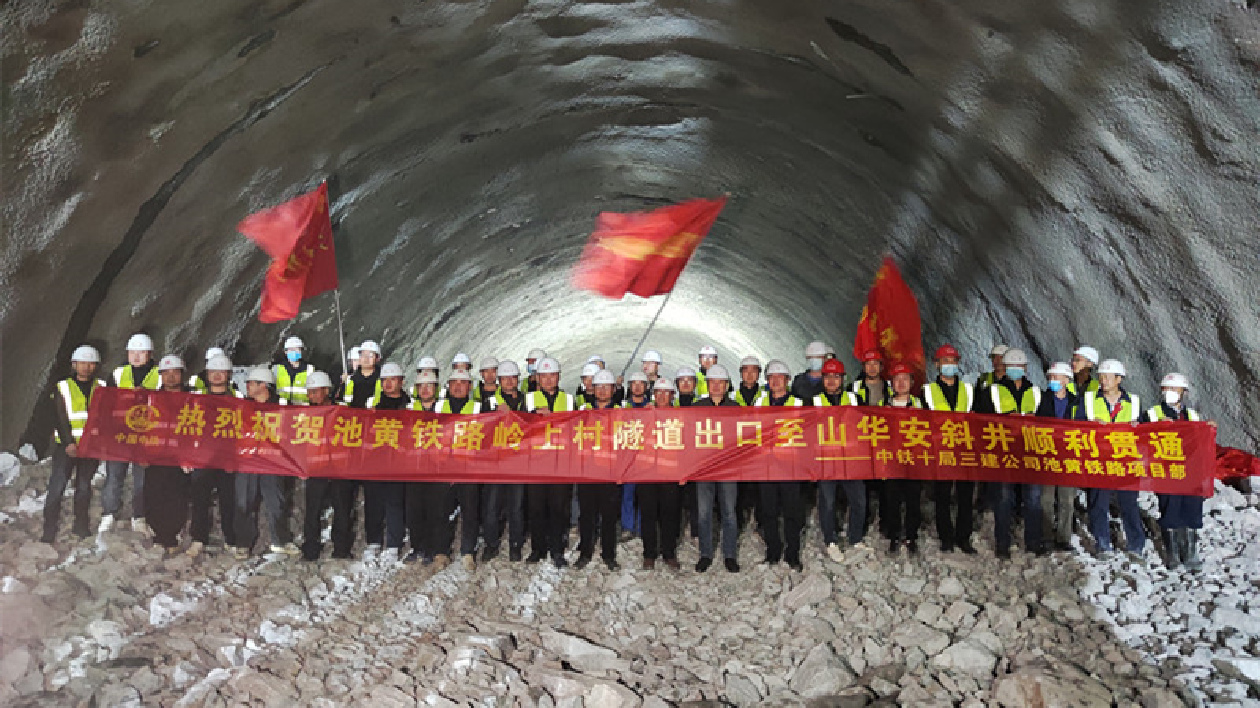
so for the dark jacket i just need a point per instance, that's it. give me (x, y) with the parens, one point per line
(805, 389)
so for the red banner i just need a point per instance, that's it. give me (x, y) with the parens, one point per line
(298, 236)
(645, 445)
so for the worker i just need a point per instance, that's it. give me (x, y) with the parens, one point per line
(385, 503)
(139, 372)
(583, 394)
(901, 503)
(1058, 502)
(505, 500)
(459, 401)
(636, 397)
(209, 485)
(270, 489)
(660, 503)
(1013, 394)
(749, 381)
(364, 385)
(637, 384)
(72, 397)
(197, 382)
(829, 352)
(708, 356)
(599, 504)
(549, 504)
(461, 362)
(651, 365)
(166, 486)
(530, 384)
(950, 393)
(485, 389)
(426, 364)
(686, 382)
(833, 394)
(1084, 360)
(323, 492)
(1180, 515)
(429, 504)
(292, 372)
(724, 494)
(996, 356)
(781, 500)
(1113, 404)
(808, 383)
(872, 389)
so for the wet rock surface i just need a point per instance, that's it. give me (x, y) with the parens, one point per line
(111, 619)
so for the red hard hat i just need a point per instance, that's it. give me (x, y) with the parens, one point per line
(833, 366)
(945, 350)
(872, 355)
(900, 368)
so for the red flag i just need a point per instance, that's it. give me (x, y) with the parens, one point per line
(298, 237)
(890, 321)
(644, 252)
(1232, 463)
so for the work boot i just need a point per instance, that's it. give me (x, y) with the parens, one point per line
(107, 523)
(470, 563)
(703, 564)
(440, 561)
(514, 555)
(1190, 550)
(1172, 543)
(141, 527)
(582, 561)
(195, 549)
(834, 552)
(649, 563)
(672, 564)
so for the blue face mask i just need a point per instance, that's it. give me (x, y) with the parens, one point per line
(529, 368)
(949, 370)
(815, 363)
(1015, 372)
(294, 357)
(1055, 386)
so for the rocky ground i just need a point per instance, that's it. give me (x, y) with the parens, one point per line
(110, 621)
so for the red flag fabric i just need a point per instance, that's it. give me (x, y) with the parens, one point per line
(644, 252)
(298, 236)
(1232, 463)
(890, 321)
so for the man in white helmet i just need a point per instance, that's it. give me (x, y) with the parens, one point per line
(549, 504)
(996, 355)
(780, 501)
(139, 372)
(583, 394)
(808, 383)
(425, 366)
(599, 505)
(651, 365)
(1058, 503)
(708, 356)
(384, 503)
(459, 401)
(1113, 404)
(530, 384)
(1180, 515)
(686, 383)
(291, 373)
(166, 487)
(1084, 360)
(749, 388)
(429, 504)
(324, 492)
(638, 386)
(363, 388)
(485, 389)
(461, 362)
(502, 501)
(72, 397)
(1013, 394)
(207, 485)
(724, 494)
(197, 382)
(272, 490)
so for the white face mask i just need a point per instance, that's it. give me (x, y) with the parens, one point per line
(1172, 398)
(815, 363)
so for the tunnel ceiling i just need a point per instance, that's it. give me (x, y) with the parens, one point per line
(1046, 174)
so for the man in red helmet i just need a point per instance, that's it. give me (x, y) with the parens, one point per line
(872, 389)
(950, 393)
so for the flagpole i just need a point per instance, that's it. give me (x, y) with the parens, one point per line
(646, 333)
(341, 334)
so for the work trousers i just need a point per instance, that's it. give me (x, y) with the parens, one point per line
(112, 494)
(385, 513)
(205, 486)
(726, 494)
(1058, 505)
(167, 491)
(322, 493)
(855, 496)
(429, 508)
(63, 468)
(954, 529)
(1180, 511)
(901, 509)
(499, 502)
(549, 506)
(599, 510)
(781, 500)
(1130, 518)
(660, 509)
(272, 491)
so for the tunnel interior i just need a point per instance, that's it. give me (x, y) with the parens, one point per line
(1045, 174)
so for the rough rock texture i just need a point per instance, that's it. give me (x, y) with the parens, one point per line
(1048, 173)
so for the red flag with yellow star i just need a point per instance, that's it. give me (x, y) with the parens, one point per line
(644, 252)
(890, 321)
(298, 236)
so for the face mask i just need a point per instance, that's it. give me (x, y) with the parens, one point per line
(1172, 398)
(530, 369)
(294, 356)
(815, 363)
(949, 370)
(1015, 372)
(1055, 386)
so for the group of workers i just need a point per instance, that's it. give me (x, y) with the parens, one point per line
(166, 500)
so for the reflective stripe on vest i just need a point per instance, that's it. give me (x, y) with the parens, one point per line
(744, 402)
(1097, 409)
(702, 385)
(537, 400)
(1004, 400)
(1156, 414)
(471, 407)
(914, 403)
(764, 400)
(292, 390)
(374, 399)
(934, 397)
(76, 405)
(847, 398)
(123, 378)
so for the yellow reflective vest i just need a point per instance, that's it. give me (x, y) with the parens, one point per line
(736, 394)
(1157, 414)
(934, 398)
(470, 407)
(1097, 409)
(1004, 400)
(76, 405)
(536, 400)
(124, 377)
(847, 398)
(292, 390)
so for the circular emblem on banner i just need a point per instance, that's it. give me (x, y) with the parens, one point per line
(141, 418)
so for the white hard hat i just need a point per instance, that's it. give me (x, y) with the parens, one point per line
(774, 366)
(140, 343)
(1015, 357)
(708, 350)
(603, 377)
(508, 368)
(750, 361)
(663, 384)
(86, 353)
(637, 376)
(219, 363)
(547, 365)
(461, 358)
(390, 369)
(829, 350)
(293, 343)
(212, 352)
(594, 358)
(170, 362)
(427, 362)
(488, 363)
(815, 349)
(685, 372)
(536, 354)
(1060, 368)
(718, 372)
(999, 350)
(261, 374)
(318, 379)
(652, 355)
(1113, 366)
(353, 353)
(370, 346)
(1175, 380)
(427, 377)
(459, 375)
(1088, 352)
(589, 369)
